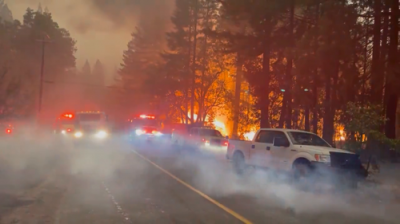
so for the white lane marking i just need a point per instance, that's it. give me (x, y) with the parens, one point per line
(124, 215)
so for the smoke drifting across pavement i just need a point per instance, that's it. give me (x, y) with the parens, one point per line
(131, 179)
(275, 191)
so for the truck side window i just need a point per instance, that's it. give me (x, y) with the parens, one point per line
(265, 137)
(279, 134)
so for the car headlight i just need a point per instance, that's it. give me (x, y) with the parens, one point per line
(323, 158)
(101, 134)
(78, 134)
(139, 132)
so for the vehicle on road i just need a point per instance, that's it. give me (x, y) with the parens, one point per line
(144, 128)
(65, 124)
(83, 126)
(301, 153)
(197, 138)
(91, 126)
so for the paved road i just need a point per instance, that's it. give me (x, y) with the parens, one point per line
(154, 184)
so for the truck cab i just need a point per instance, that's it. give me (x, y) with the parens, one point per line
(291, 151)
(199, 136)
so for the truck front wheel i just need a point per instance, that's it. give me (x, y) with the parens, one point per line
(239, 164)
(301, 169)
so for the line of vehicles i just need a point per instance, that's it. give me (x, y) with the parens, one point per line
(298, 152)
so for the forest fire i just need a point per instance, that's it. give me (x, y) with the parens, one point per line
(249, 135)
(218, 124)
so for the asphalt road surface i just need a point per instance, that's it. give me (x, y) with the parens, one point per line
(44, 182)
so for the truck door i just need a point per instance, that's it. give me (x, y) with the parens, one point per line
(280, 155)
(260, 149)
(264, 153)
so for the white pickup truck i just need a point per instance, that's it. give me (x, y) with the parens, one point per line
(295, 151)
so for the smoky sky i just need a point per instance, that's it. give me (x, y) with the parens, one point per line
(102, 28)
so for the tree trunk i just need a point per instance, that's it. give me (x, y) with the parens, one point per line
(376, 71)
(307, 118)
(392, 79)
(203, 91)
(328, 125)
(282, 118)
(315, 84)
(187, 89)
(238, 90)
(289, 68)
(193, 91)
(264, 121)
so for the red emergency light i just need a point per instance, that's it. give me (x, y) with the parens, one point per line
(8, 130)
(144, 116)
(68, 115)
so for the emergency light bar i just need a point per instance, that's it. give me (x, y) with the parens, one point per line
(144, 116)
(68, 115)
(90, 112)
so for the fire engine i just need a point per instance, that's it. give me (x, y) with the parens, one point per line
(83, 125)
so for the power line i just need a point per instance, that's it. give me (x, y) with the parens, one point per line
(86, 85)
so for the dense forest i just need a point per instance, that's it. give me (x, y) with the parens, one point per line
(304, 64)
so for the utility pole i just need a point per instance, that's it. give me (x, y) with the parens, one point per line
(44, 41)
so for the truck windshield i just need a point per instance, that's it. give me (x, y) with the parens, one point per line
(210, 132)
(68, 121)
(89, 117)
(144, 122)
(304, 138)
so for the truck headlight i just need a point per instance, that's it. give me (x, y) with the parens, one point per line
(323, 158)
(78, 134)
(101, 134)
(157, 133)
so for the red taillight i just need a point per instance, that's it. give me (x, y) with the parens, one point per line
(8, 131)
(69, 130)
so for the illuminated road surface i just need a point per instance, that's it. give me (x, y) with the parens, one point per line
(153, 184)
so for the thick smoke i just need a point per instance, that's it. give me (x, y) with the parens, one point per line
(101, 27)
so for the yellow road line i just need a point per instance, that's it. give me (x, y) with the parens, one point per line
(223, 207)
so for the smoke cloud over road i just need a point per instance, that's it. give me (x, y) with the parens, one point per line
(47, 169)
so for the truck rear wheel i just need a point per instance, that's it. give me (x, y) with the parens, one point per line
(239, 164)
